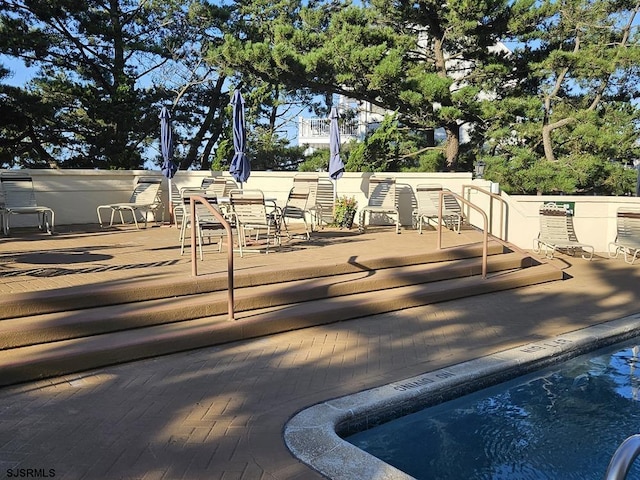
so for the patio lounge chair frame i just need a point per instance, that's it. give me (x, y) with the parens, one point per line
(325, 202)
(381, 200)
(20, 199)
(182, 210)
(557, 233)
(296, 209)
(206, 224)
(315, 208)
(250, 215)
(218, 186)
(627, 235)
(144, 199)
(428, 199)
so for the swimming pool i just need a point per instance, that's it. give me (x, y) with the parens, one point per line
(315, 434)
(563, 422)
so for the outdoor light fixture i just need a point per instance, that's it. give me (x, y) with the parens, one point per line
(479, 169)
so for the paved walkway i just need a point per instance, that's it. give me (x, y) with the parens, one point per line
(218, 413)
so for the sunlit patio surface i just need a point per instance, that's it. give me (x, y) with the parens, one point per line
(87, 254)
(219, 412)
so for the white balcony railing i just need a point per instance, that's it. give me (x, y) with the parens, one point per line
(319, 127)
(315, 131)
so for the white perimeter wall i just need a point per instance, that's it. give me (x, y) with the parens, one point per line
(75, 194)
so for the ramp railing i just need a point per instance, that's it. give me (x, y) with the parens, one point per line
(485, 233)
(502, 234)
(623, 458)
(194, 258)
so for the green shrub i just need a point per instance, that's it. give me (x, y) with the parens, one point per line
(344, 211)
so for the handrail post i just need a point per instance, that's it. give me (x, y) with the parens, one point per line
(485, 237)
(194, 258)
(492, 196)
(439, 227)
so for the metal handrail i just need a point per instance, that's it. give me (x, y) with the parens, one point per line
(485, 239)
(194, 259)
(623, 458)
(492, 195)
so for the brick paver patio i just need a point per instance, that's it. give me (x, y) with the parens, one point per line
(218, 413)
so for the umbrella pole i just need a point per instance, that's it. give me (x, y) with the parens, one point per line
(170, 203)
(335, 199)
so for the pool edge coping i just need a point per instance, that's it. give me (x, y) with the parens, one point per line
(312, 434)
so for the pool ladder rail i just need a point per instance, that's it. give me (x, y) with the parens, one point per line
(623, 458)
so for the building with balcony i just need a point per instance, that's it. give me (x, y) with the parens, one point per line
(314, 132)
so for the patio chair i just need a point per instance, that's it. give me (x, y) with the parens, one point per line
(177, 209)
(181, 209)
(310, 182)
(207, 225)
(221, 186)
(557, 233)
(627, 238)
(296, 209)
(145, 199)
(428, 199)
(381, 200)
(250, 216)
(325, 200)
(217, 186)
(20, 199)
(426, 209)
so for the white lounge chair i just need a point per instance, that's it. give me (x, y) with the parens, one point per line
(20, 199)
(627, 238)
(207, 225)
(381, 200)
(250, 216)
(218, 186)
(557, 233)
(221, 186)
(428, 199)
(325, 202)
(311, 182)
(296, 209)
(145, 199)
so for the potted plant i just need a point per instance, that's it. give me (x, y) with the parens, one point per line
(345, 211)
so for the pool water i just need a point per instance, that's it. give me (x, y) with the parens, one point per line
(561, 423)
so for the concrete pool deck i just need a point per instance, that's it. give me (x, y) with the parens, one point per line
(315, 435)
(219, 412)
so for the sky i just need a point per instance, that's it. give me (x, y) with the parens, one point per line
(20, 74)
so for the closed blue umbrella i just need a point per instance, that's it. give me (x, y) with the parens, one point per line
(336, 166)
(240, 168)
(169, 168)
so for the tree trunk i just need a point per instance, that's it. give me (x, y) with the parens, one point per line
(452, 129)
(452, 146)
(210, 126)
(547, 142)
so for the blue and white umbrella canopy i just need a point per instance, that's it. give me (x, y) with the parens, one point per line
(240, 168)
(336, 166)
(169, 168)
